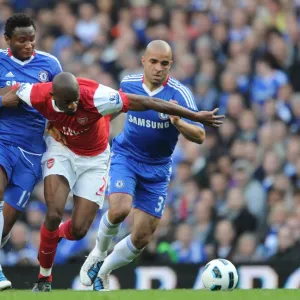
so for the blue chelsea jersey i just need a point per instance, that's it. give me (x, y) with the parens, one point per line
(24, 126)
(149, 136)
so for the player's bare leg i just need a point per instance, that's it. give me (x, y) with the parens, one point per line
(4, 283)
(56, 193)
(128, 248)
(120, 206)
(84, 213)
(11, 215)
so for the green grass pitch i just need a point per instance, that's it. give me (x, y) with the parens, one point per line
(154, 295)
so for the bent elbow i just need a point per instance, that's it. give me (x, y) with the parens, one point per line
(201, 137)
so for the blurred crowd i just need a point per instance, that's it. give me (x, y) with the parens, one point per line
(237, 196)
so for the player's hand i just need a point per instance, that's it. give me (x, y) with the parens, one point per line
(11, 99)
(209, 118)
(174, 119)
(56, 134)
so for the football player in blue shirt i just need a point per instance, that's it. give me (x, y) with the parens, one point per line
(141, 166)
(22, 129)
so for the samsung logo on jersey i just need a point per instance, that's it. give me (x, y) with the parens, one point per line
(148, 123)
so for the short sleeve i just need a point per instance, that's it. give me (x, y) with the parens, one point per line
(34, 94)
(24, 92)
(109, 101)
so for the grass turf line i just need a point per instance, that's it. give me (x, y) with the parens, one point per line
(279, 294)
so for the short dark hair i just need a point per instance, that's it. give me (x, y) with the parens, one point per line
(17, 20)
(270, 60)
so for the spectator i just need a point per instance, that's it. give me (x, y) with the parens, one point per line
(219, 185)
(224, 239)
(247, 249)
(277, 218)
(236, 211)
(21, 251)
(287, 246)
(186, 248)
(203, 223)
(267, 81)
(88, 27)
(252, 189)
(248, 126)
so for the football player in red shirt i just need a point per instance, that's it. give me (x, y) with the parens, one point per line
(76, 107)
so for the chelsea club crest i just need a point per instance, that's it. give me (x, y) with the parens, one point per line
(43, 76)
(119, 184)
(163, 116)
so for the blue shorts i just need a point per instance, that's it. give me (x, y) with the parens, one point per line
(23, 170)
(146, 183)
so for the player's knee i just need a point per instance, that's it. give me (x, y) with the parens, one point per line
(119, 207)
(118, 214)
(141, 238)
(79, 233)
(53, 219)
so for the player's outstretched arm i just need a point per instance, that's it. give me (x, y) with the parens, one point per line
(141, 103)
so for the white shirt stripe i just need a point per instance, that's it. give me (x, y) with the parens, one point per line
(131, 80)
(186, 91)
(134, 76)
(176, 85)
(49, 55)
(186, 95)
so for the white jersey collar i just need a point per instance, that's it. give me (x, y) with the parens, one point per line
(22, 63)
(55, 107)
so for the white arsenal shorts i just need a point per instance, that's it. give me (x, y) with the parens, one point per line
(87, 175)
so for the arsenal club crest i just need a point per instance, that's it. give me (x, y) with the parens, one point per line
(82, 121)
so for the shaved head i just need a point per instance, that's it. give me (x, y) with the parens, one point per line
(157, 62)
(65, 84)
(159, 46)
(65, 92)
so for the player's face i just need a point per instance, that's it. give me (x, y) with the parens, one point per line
(66, 104)
(22, 42)
(156, 67)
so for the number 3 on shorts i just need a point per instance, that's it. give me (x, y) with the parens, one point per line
(160, 204)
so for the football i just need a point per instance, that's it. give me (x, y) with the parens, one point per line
(220, 274)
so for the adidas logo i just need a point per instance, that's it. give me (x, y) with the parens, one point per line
(9, 74)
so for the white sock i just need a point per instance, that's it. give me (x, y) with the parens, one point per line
(5, 240)
(45, 272)
(124, 253)
(106, 232)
